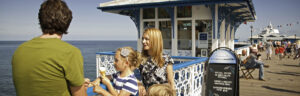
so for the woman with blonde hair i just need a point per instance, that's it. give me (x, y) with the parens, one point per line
(156, 68)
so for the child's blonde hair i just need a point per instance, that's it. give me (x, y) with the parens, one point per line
(161, 90)
(134, 57)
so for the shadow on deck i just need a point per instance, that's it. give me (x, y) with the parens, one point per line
(278, 89)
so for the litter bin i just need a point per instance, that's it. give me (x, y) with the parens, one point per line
(222, 77)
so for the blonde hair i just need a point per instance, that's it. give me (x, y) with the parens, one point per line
(161, 90)
(156, 43)
(134, 57)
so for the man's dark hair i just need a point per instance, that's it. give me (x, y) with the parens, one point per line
(55, 17)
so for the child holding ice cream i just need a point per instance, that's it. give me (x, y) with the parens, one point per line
(124, 81)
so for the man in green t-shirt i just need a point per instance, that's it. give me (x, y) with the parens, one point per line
(46, 65)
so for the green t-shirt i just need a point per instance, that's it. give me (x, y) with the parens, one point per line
(46, 67)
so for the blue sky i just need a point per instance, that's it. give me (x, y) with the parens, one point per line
(18, 20)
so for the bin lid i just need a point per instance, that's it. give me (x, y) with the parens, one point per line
(222, 56)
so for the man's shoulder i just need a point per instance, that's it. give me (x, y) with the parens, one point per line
(66, 46)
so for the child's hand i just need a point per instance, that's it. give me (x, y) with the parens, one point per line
(96, 81)
(97, 88)
(87, 83)
(105, 80)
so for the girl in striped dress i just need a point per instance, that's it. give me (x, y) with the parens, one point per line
(124, 81)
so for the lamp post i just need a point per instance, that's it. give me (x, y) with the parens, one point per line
(251, 34)
(295, 38)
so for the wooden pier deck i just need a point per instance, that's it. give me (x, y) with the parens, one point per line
(282, 79)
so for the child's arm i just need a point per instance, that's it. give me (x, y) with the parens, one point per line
(99, 90)
(109, 86)
(96, 81)
(112, 91)
(103, 92)
(124, 93)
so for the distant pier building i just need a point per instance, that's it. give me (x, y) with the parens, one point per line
(270, 33)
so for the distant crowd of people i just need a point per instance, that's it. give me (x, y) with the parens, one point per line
(282, 49)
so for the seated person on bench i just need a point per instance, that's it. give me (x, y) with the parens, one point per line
(252, 62)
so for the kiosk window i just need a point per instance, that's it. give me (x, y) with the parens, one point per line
(184, 11)
(148, 13)
(162, 13)
(165, 28)
(184, 34)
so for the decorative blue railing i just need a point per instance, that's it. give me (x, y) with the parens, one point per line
(188, 72)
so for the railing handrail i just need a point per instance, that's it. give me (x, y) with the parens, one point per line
(175, 66)
(185, 57)
(176, 57)
(106, 53)
(186, 64)
(247, 46)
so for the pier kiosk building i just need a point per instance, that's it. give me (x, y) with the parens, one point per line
(189, 27)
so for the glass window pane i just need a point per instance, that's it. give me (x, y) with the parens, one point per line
(150, 24)
(162, 13)
(184, 11)
(203, 25)
(184, 34)
(165, 28)
(148, 13)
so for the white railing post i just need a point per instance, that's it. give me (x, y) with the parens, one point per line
(98, 60)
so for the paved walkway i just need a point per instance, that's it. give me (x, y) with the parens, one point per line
(282, 79)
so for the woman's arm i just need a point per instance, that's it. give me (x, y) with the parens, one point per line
(142, 90)
(170, 76)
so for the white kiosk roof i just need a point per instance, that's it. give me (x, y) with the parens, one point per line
(245, 7)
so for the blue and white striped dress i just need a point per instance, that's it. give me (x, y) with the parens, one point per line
(128, 83)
